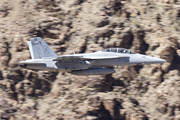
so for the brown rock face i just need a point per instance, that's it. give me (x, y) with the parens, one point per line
(94, 103)
(149, 27)
(139, 44)
(6, 109)
(5, 9)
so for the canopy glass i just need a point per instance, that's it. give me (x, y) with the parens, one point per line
(119, 50)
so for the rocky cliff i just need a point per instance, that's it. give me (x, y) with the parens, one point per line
(149, 27)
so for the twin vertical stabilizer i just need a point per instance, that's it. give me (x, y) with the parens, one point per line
(39, 49)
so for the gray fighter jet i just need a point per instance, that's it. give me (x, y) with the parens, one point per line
(44, 58)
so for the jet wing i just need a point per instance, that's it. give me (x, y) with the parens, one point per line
(68, 57)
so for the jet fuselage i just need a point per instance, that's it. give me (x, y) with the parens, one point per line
(44, 58)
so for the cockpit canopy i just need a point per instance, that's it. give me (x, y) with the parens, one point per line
(118, 50)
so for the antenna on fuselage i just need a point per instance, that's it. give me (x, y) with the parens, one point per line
(74, 52)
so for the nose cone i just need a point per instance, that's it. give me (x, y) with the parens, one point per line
(151, 60)
(144, 59)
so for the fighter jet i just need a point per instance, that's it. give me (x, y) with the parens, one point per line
(96, 63)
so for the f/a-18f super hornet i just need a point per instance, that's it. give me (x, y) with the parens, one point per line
(44, 58)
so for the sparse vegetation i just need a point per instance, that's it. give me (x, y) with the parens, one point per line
(59, 16)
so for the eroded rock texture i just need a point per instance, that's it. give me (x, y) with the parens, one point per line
(149, 27)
